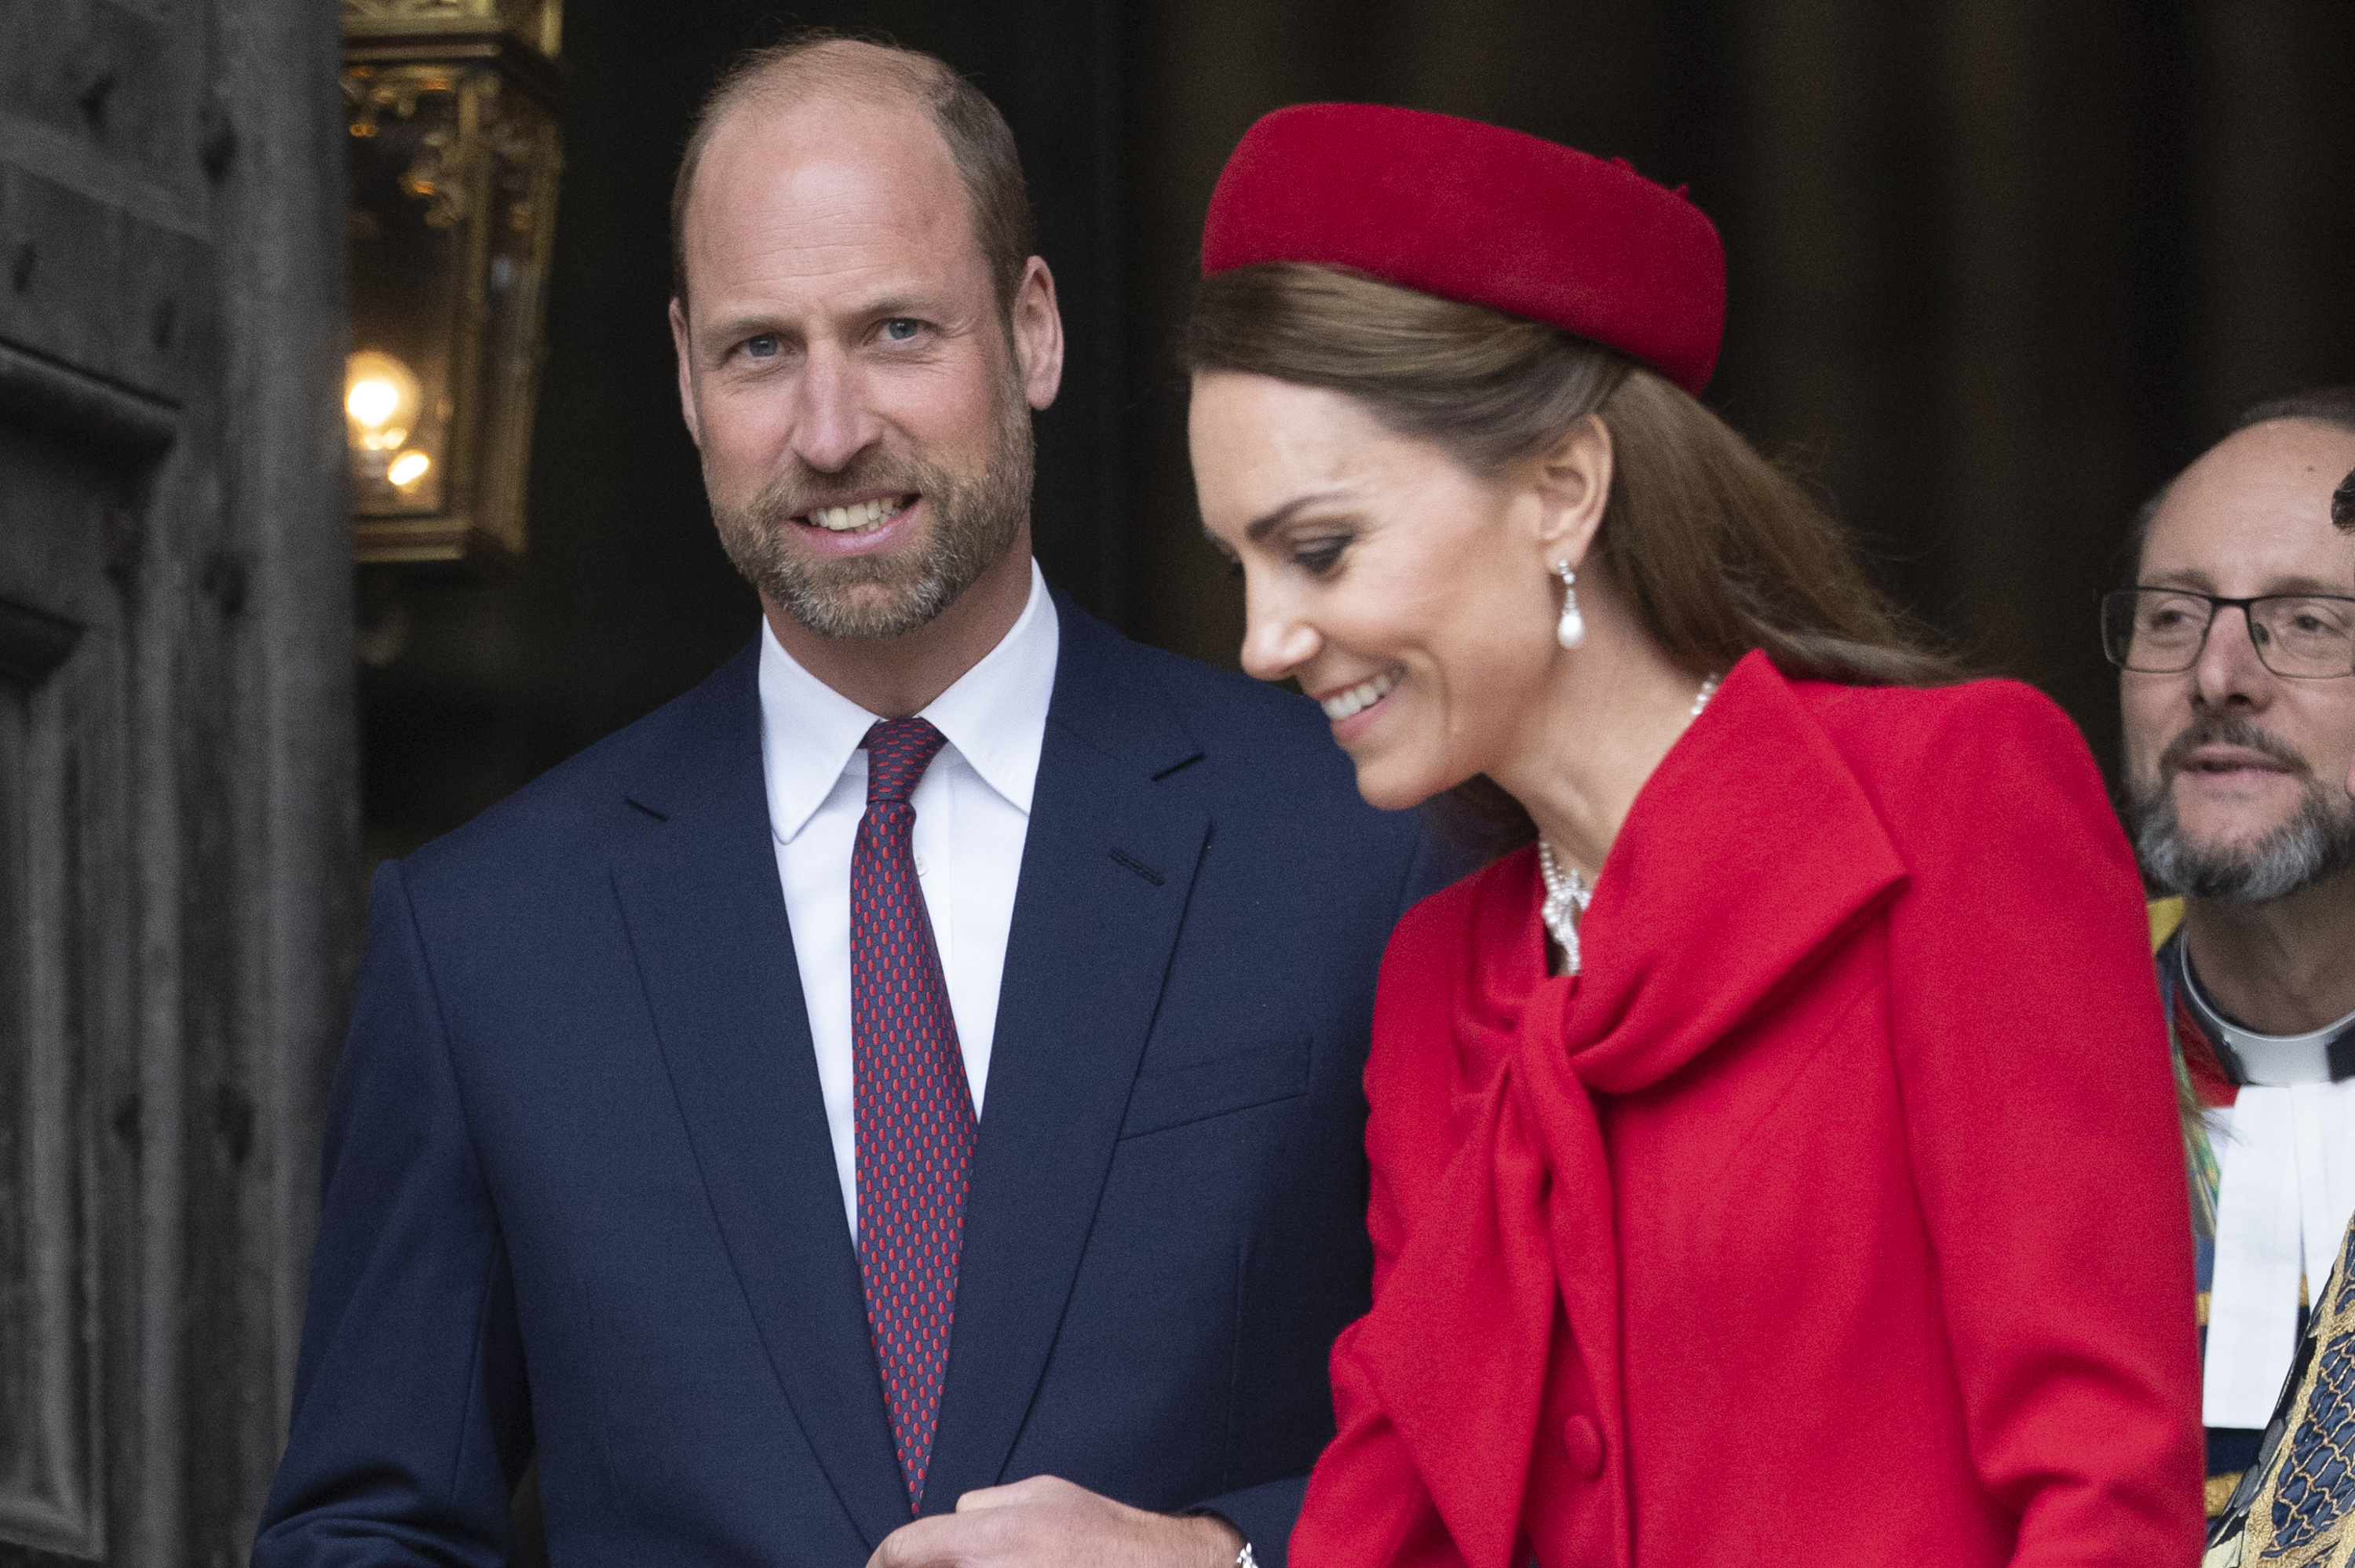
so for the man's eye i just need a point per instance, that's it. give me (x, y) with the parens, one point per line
(899, 329)
(2320, 617)
(763, 346)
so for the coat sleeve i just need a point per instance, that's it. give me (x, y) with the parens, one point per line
(2040, 1122)
(1369, 1506)
(1365, 1504)
(409, 1426)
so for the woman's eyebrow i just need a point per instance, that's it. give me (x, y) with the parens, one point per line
(1260, 527)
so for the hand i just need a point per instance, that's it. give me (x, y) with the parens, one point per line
(1048, 1523)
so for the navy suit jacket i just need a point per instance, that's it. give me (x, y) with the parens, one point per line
(580, 1199)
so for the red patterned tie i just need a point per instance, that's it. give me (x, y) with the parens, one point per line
(914, 1107)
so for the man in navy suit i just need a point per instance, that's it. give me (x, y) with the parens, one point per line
(901, 1100)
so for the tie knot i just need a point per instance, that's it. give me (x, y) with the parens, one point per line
(898, 752)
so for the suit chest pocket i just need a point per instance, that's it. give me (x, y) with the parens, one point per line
(1174, 1097)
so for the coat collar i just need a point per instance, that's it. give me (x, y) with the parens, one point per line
(1748, 854)
(1107, 867)
(707, 923)
(1106, 872)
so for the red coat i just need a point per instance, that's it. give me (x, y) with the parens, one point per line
(1834, 1216)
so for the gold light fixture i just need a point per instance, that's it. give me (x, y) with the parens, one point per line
(455, 155)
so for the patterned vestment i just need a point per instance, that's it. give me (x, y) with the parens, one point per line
(2295, 1506)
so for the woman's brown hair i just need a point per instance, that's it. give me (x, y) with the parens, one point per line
(1718, 550)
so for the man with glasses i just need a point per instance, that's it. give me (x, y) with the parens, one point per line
(2236, 641)
(2291, 1500)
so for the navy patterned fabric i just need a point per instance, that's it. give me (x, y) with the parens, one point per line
(913, 1106)
(2295, 1506)
(2316, 1483)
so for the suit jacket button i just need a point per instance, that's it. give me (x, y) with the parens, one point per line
(1582, 1441)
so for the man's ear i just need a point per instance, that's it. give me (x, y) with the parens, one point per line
(679, 342)
(1037, 329)
(1571, 480)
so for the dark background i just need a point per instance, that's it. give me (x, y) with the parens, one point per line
(1998, 268)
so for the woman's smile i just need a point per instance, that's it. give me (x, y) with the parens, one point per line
(1348, 702)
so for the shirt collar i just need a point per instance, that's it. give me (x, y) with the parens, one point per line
(994, 716)
(2322, 1056)
(996, 713)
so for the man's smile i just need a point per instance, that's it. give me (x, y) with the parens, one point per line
(2217, 759)
(855, 515)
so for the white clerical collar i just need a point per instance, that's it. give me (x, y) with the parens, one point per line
(994, 716)
(2270, 1060)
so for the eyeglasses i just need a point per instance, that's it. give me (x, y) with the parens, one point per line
(2160, 631)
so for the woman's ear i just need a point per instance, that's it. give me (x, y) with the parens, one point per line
(1571, 480)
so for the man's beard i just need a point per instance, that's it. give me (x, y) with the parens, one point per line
(2316, 844)
(975, 520)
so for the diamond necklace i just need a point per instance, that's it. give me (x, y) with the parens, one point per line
(1566, 895)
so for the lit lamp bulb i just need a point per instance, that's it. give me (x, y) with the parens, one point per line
(407, 469)
(380, 399)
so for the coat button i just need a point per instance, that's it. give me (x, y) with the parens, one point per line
(1582, 1441)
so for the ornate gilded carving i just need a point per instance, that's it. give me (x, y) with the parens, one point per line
(448, 164)
(539, 23)
(421, 10)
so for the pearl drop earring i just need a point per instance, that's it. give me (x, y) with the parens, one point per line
(1571, 629)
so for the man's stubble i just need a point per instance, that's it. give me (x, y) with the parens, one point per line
(975, 519)
(2316, 844)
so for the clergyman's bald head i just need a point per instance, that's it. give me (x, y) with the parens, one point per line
(2330, 406)
(815, 64)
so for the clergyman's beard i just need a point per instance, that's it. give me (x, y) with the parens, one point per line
(975, 519)
(2316, 844)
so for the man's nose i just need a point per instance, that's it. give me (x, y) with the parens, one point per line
(836, 421)
(1276, 642)
(2229, 669)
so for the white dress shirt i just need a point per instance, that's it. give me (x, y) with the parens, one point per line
(2284, 1193)
(973, 813)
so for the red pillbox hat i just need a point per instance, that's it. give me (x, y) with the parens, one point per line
(1477, 213)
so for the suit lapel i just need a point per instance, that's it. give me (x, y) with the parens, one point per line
(1107, 866)
(706, 922)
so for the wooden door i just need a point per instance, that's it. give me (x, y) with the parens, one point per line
(176, 875)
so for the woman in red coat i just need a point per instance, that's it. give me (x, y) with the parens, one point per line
(1814, 1194)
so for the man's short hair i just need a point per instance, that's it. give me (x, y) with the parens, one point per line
(2332, 405)
(814, 60)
